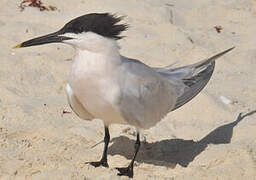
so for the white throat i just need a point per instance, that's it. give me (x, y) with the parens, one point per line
(94, 53)
(96, 56)
(101, 55)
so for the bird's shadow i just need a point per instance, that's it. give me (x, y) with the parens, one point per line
(170, 152)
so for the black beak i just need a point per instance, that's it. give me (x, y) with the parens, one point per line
(49, 38)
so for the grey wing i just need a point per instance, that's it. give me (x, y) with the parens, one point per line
(145, 97)
(191, 79)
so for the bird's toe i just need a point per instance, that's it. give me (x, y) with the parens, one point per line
(126, 171)
(98, 163)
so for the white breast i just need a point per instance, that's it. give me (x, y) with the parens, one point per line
(94, 82)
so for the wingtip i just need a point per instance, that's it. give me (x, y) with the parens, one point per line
(224, 52)
(213, 58)
(230, 49)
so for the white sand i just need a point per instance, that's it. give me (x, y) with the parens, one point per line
(201, 140)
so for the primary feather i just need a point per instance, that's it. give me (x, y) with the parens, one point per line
(190, 80)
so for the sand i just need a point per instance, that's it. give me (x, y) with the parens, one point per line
(205, 139)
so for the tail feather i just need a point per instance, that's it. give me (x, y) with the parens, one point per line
(196, 84)
(193, 77)
(199, 80)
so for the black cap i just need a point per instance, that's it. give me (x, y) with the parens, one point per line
(104, 24)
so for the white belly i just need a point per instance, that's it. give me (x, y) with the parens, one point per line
(98, 93)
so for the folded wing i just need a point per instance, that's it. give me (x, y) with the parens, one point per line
(145, 96)
(190, 80)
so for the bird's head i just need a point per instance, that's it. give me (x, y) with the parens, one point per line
(89, 31)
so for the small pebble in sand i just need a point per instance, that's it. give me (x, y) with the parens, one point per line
(225, 100)
(218, 29)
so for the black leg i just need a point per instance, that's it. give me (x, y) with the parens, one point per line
(103, 161)
(128, 171)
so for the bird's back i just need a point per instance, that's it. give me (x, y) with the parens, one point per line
(145, 96)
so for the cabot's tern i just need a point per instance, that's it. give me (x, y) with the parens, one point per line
(106, 85)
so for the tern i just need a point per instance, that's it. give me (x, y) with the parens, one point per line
(106, 85)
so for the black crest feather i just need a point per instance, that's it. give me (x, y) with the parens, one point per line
(104, 24)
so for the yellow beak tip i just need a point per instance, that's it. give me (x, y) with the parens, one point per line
(18, 46)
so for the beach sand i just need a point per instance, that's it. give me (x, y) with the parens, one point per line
(204, 139)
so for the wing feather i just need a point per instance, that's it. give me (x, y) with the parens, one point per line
(146, 97)
(191, 79)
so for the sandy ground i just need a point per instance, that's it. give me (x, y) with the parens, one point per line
(205, 139)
